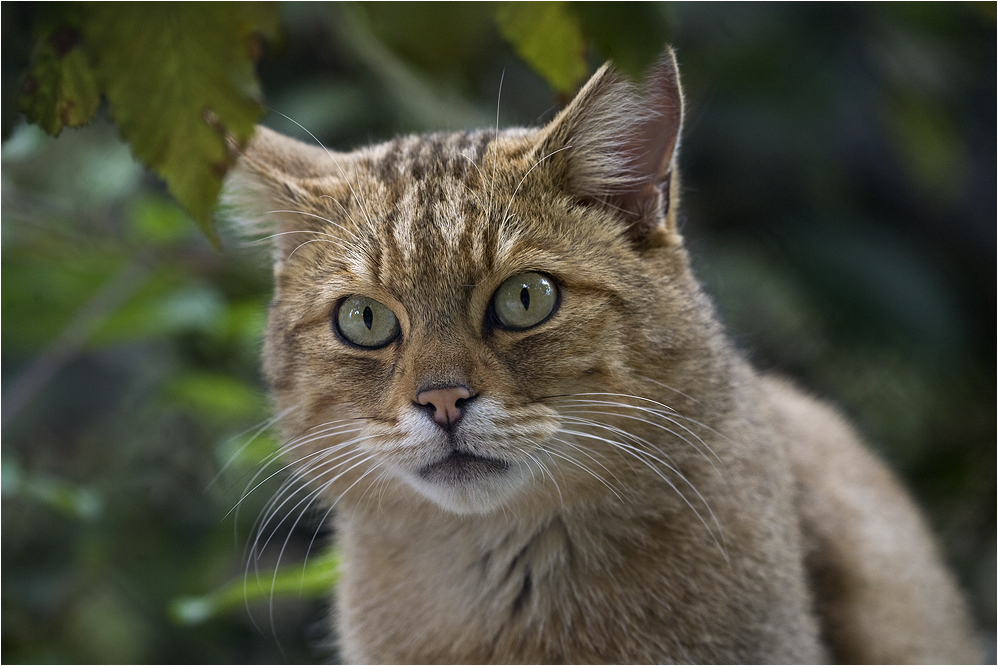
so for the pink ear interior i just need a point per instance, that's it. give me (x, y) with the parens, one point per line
(653, 143)
(623, 143)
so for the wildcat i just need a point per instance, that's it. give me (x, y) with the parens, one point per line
(493, 358)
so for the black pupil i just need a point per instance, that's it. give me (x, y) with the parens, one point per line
(525, 298)
(368, 317)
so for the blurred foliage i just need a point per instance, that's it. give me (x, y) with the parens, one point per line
(178, 79)
(839, 202)
(315, 578)
(547, 36)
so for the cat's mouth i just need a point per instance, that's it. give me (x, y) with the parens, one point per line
(462, 467)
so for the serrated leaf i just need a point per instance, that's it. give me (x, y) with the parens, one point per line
(60, 89)
(548, 37)
(179, 78)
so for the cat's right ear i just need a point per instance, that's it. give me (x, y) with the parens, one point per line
(276, 178)
(615, 145)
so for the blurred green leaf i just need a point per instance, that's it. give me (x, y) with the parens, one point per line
(215, 396)
(108, 628)
(44, 289)
(314, 580)
(191, 308)
(158, 221)
(245, 322)
(548, 36)
(60, 89)
(168, 305)
(423, 103)
(929, 146)
(437, 36)
(179, 79)
(632, 34)
(63, 496)
(85, 171)
(247, 451)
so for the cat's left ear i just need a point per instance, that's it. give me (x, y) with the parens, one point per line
(616, 144)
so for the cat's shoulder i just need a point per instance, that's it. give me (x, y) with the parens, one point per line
(865, 540)
(820, 441)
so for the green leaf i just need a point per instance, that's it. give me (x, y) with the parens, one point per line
(159, 221)
(179, 79)
(215, 395)
(63, 496)
(632, 34)
(548, 37)
(247, 451)
(929, 145)
(313, 580)
(60, 89)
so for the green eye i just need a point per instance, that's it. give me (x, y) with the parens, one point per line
(525, 300)
(366, 322)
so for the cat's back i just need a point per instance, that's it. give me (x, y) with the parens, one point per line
(882, 594)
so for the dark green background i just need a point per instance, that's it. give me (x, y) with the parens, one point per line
(838, 168)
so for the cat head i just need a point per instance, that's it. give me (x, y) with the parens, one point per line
(447, 305)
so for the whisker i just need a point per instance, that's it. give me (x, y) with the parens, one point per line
(473, 193)
(310, 498)
(639, 440)
(544, 470)
(583, 467)
(317, 240)
(480, 175)
(322, 453)
(345, 212)
(376, 483)
(259, 430)
(644, 457)
(667, 414)
(323, 457)
(283, 452)
(315, 495)
(325, 516)
(495, 163)
(582, 449)
(666, 386)
(661, 427)
(566, 416)
(309, 231)
(290, 486)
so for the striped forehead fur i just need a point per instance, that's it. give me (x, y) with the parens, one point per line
(441, 194)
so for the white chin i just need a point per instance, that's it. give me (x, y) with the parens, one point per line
(463, 495)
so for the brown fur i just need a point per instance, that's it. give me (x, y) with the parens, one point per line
(698, 513)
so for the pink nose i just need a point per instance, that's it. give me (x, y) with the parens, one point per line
(446, 403)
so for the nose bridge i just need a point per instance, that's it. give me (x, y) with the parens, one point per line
(439, 364)
(441, 381)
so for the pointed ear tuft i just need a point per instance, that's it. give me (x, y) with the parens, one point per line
(618, 147)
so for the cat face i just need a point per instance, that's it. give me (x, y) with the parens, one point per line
(442, 301)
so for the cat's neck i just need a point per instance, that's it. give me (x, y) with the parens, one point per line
(543, 570)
